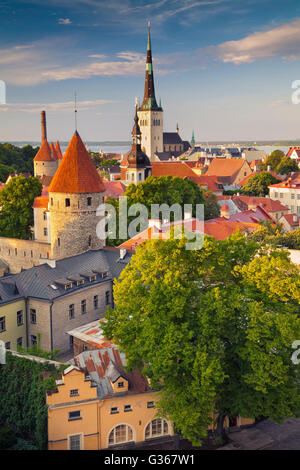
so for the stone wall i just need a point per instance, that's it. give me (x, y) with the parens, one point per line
(73, 227)
(22, 254)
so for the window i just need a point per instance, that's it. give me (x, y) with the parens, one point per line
(107, 297)
(45, 231)
(121, 385)
(73, 415)
(93, 278)
(16, 251)
(52, 201)
(157, 427)
(90, 240)
(89, 201)
(121, 433)
(71, 311)
(150, 404)
(75, 442)
(2, 324)
(7, 345)
(281, 195)
(19, 341)
(114, 410)
(71, 341)
(58, 241)
(74, 392)
(20, 318)
(96, 301)
(33, 340)
(293, 196)
(67, 202)
(127, 408)
(83, 306)
(45, 215)
(32, 316)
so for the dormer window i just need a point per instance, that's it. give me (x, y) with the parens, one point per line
(68, 286)
(93, 278)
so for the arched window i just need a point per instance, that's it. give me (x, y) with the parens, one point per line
(156, 428)
(120, 434)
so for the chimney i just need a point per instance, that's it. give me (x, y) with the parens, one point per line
(252, 205)
(225, 211)
(43, 126)
(122, 253)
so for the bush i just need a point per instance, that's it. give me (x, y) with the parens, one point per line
(7, 438)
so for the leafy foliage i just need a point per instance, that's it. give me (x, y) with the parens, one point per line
(23, 398)
(270, 234)
(258, 184)
(212, 329)
(14, 159)
(16, 200)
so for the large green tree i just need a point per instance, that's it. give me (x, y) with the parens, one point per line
(16, 200)
(257, 185)
(212, 329)
(16, 159)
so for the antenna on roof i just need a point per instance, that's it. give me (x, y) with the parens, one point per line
(75, 111)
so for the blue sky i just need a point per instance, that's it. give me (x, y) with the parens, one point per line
(222, 67)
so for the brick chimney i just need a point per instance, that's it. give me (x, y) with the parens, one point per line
(252, 205)
(225, 211)
(43, 126)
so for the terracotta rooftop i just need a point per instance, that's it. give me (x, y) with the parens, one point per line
(44, 153)
(290, 220)
(226, 168)
(41, 202)
(58, 150)
(179, 169)
(208, 182)
(269, 205)
(76, 172)
(114, 189)
(53, 152)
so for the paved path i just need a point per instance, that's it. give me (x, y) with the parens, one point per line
(267, 435)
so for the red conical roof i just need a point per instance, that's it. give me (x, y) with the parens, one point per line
(53, 152)
(58, 150)
(44, 154)
(76, 172)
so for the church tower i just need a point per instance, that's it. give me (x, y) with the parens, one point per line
(137, 166)
(150, 114)
(75, 193)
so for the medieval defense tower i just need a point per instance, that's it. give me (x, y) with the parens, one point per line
(75, 193)
(46, 160)
(150, 114)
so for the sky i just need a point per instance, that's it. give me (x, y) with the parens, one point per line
(223, 68)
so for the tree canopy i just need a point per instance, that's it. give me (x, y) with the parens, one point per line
(212, 329)
(279, 163)
(257, 185)
(16, 200)
(16, 159)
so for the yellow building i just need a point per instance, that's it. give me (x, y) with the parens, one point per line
(12, 319)
(98, 405)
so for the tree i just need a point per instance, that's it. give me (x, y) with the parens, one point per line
(211, 206)
(16, 200)
(286, 166)
(257, 185)
(274, 159)
(212, 329)
(165, 190)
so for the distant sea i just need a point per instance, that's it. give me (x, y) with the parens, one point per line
(123, 147)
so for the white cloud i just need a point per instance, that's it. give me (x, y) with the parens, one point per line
(16, 54)
(64, 21)
(61, 106)
(282, 41)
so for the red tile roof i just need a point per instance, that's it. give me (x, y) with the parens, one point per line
(58, 150)
(41, 202)
(269, 205)
(207, 182)
(53, 152)
(44, 153)
(225, 166)
(290, 219)
(76, 172)
(179, 169)
(114, 189)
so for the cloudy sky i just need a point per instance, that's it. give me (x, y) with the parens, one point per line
(222, 67)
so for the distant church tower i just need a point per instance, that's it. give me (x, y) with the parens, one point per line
(75, 193)
(150, 114)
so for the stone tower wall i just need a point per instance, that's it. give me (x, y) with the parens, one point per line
(152, 133)
(47, 168)
(73, 228)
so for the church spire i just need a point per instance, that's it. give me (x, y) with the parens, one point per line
(149, 101)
